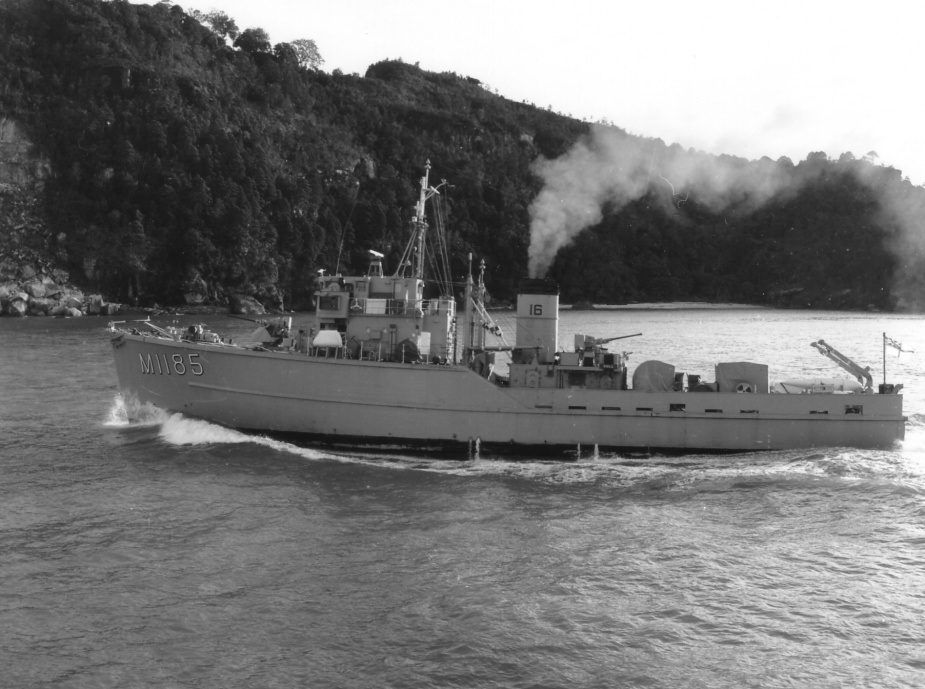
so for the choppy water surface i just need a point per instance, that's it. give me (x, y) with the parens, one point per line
(175, 553)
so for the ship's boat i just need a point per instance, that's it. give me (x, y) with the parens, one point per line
(380, 363)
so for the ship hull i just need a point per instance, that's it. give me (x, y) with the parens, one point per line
(451, 407)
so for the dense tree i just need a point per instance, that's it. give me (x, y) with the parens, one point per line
(307, 53)
(254, 40)
(223, 25)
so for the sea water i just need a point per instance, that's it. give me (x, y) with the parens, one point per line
(170, 552)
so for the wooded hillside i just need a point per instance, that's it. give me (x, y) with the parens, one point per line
(183, 168)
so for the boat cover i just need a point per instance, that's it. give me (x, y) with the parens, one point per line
(653, 376)
(328, 338)
(797, 387)
(742, 376)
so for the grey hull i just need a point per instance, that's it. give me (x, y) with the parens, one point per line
(367, 401)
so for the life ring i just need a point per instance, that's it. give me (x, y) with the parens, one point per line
(744, 387)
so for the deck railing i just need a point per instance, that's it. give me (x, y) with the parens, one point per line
(406, 307)
(371, 350)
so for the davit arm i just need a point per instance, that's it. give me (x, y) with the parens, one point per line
(862, 374)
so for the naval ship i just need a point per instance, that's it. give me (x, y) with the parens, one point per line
(379, 364)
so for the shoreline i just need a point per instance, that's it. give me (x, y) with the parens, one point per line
(665, 306)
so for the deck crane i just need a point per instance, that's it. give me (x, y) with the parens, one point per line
(862, 374)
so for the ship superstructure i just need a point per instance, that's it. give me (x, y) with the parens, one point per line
(379, 362)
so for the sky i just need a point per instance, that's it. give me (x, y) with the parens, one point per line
(747, 79)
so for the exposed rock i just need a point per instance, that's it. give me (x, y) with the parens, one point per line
(51, 287)
(195, 290)
(193, 298)
(242, 304)
(110, 309)
(73, 313)
(74, 301)
(35, 289)
(29, 282)
(218, 296)
(268, 293)
(94, 305)
(18, 164)
(40, 306)
(16, 307)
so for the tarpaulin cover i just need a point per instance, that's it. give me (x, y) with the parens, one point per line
(406, 351)
(799, 387)
(261, 335)
(747, 375)
(327, 338)
(653, 376)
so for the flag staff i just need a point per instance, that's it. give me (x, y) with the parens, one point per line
(899, 350)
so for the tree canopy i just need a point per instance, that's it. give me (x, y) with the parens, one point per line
(177, 157)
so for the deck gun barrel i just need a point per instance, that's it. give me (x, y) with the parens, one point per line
(618, 337)
(587, 341)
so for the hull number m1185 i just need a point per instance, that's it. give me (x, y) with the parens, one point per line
(159, 364)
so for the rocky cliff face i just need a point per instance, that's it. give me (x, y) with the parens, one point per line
(31, 282)
(18, 165)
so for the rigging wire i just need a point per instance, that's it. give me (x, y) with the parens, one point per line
(438, 256)
(343, 232)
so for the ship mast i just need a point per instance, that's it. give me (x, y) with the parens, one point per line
(420, 225)
(470, 314)
(480, 299)
(476, 317)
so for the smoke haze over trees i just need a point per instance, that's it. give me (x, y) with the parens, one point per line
(185, 154)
